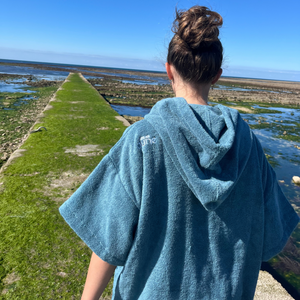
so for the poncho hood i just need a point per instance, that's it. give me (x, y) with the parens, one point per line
(209, 146)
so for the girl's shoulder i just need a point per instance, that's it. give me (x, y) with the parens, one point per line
(135, 138)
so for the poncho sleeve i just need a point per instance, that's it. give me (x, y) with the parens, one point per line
(280, 219)
(102, 214)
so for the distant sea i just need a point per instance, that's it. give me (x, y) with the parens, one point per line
(61, 71)
(81, 67)
(72, 66)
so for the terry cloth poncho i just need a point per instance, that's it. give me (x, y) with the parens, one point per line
(185, 204)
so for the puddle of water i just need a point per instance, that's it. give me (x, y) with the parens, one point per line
(13, 88)
(92, 77)
(23, 100)
(131, 110)
(232, 88)
(17, 85)
(212, 103)
(17, 102)
(139, 82)
(20, 103)
(282, 109)
(16, 80)
(288, 116)
(29, 98)
(50, 77)
(125, 75)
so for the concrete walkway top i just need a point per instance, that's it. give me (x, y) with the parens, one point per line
(269, 289)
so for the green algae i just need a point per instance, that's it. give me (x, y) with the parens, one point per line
(274, 104)
(290, 133)
(273, 162)
(42, 257)
(287, 263)
(117, 92)
(15, 122)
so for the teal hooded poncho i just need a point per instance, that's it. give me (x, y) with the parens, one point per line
(185, 204)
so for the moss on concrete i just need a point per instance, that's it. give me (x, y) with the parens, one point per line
(42, 258)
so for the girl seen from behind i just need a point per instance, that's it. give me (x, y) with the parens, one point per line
(185, 205)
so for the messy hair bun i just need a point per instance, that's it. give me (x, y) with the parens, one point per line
(195, 49)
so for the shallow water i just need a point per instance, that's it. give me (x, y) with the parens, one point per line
(131, 110)
(233, 88)
(39, 73)
(286, 117)
(6, 104)
(140, 82)
(14, 88)
(24, 100)
(92, 77)
(287, 159)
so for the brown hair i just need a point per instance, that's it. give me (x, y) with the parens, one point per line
(195, 49)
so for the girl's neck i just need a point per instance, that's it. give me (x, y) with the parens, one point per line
(192, 93)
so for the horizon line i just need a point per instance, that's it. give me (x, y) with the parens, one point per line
(156, 71)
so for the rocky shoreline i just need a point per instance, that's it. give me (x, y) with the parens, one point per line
(287, 93)
(20, 110)
(236, 90)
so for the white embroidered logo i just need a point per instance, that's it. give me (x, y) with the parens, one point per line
(145, 140)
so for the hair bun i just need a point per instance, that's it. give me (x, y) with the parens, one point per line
(195, 50)
(198, 27)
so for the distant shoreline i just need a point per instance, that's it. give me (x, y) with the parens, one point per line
(153, 73)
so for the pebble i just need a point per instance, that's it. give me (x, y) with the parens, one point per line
(5, 156)
(296, 180)
(62, 274)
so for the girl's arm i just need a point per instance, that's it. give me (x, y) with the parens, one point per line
(99, 274)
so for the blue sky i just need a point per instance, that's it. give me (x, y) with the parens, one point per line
(260, 38)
